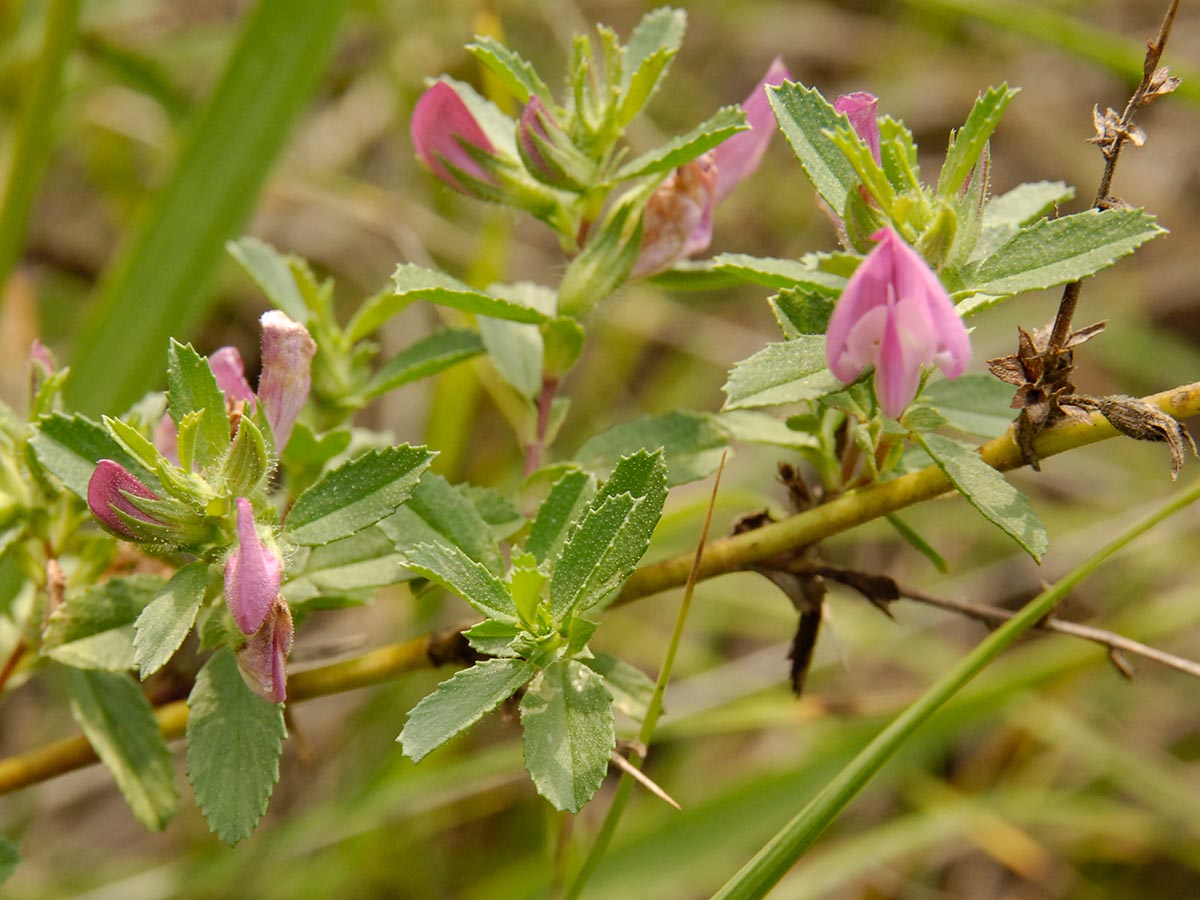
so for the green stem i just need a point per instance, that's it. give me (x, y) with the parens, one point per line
(31, 152)
(771, 863)
(653, 711)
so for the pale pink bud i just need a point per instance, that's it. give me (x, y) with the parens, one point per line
(252, 574)
(859, 108)
(262, 660)
(678, 217)
(287, 353)
(107, 489)
(895, 314)
(530, 128)
(738, 156)
(230, 373)
(442, 127)
(41, 357)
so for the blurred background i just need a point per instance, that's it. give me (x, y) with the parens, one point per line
(1052, 777)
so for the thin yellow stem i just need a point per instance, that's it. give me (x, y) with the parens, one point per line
(726, 555)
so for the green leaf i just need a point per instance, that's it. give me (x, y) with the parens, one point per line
(413, 282)
(94, 629)
(727, 121)
(8, 859)
(431, 354)
(192, 388)
(989, 492)
(496, 510)
(515, 350)
(566, 502)
(631, 688)
(492, 638)
(567, 720)
(117, 719)
(805, 116)
(1004, 215)
(968, 143)
(460, 702)
(611, 536)
(781, 373)
(442, 513)
(802, 311)
(159, 284)
(693, 444)
(459, 574)
(651, 48)
(272, 272)
(974, 404)
(518, 75)
(69, 447)
(760, 428)
(1057, 251)
(366, 559)
(356, 494)
(790, 273)
(234, 739)
(163, 625)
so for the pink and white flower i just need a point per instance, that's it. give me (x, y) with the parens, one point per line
(894, 314)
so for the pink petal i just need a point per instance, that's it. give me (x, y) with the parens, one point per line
(230, 373)
(441, 124)
(739, 156)
(950, 346)
(868, 288)
(897, 373)
(106, 493)
(253, 574)
(166, 438)
(859, 108)
(533, 122)
(262, 660)
(287, 352)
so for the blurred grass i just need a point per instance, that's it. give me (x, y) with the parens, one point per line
(1050, 778)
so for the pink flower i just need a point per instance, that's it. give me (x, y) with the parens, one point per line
(895, 314)
(739, 156)
(287, 353)
(678, 219)
(859, 108)
(230, 373)
(442, 129)
(252, 574)
(262, 660)
(532, 130)
(107, 498)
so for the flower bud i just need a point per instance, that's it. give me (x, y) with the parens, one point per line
(548, 153)
(287, 353)
(107, 498)
(678, 217)
(262, 660)
(859, 108)
(253, 574)
(443, 129)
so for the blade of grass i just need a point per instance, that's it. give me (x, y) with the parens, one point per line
(35, 130)
(157, 288)
(774, 860)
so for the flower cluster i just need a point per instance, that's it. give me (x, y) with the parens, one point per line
(126, 507)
